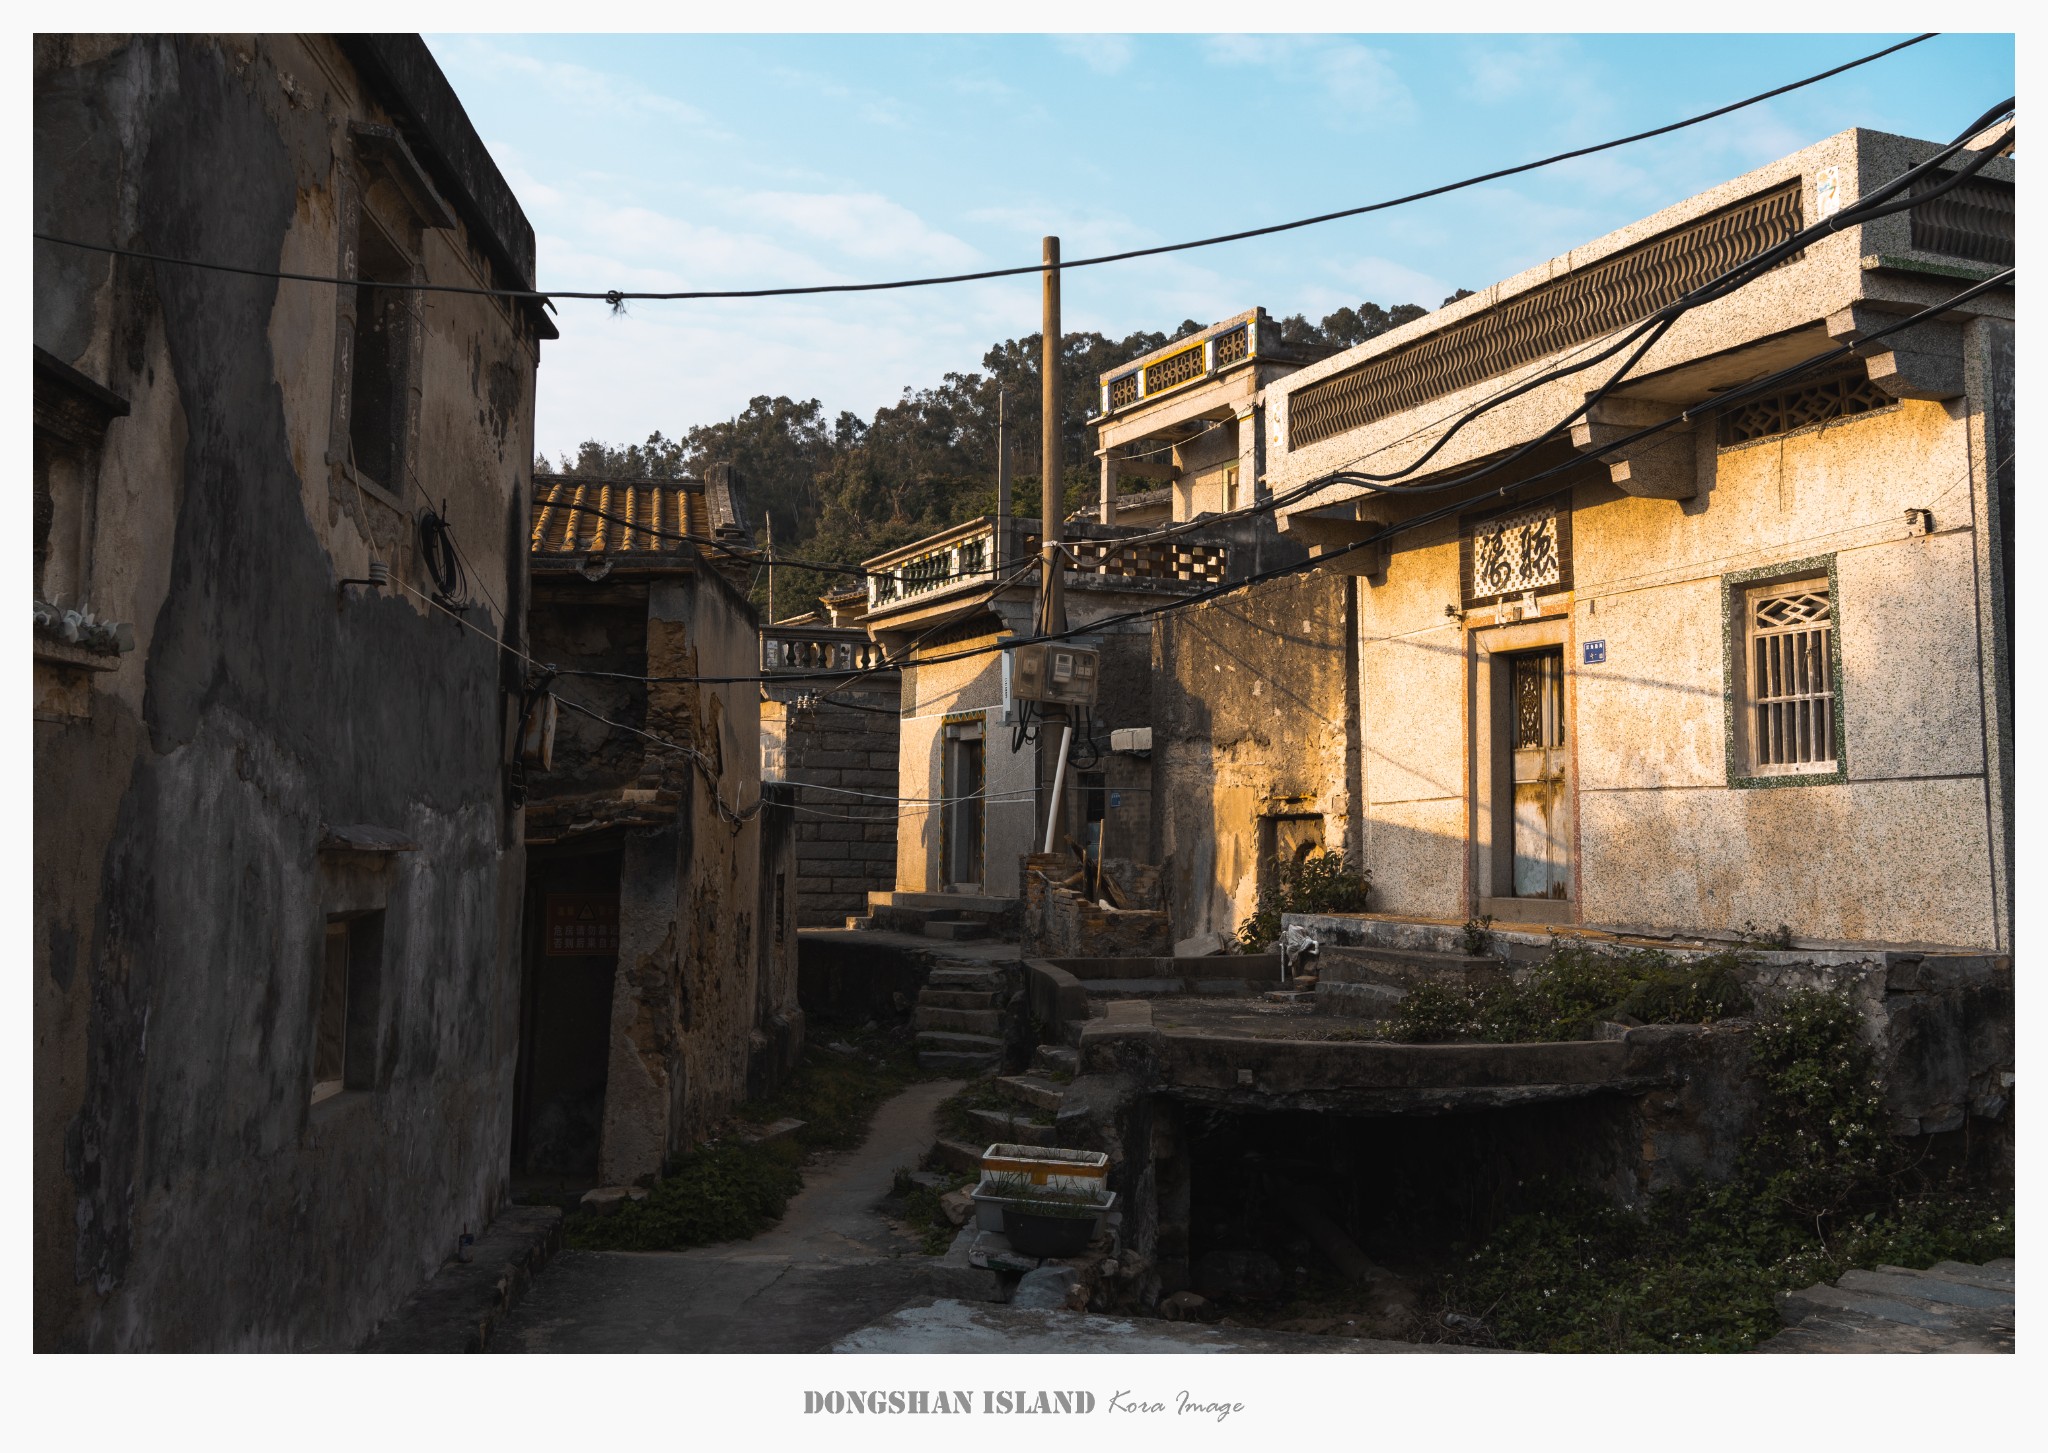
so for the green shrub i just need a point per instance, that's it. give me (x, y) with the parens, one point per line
(726, 1193)
(1819, 1189)
(729, 1191)
(1325, 883)
(1571, 993)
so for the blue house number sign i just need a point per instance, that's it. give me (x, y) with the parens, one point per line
(1596, 652)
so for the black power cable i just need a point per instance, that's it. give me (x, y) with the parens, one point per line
(617, 296)
(2004, 279)
(437, 548)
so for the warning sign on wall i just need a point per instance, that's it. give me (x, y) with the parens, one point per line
(582, 923)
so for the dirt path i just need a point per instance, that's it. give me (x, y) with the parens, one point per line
(831, 1265)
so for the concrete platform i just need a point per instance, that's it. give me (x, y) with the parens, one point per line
(459, 1309)
(956, 1326)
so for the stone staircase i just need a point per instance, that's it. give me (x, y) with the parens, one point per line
(959, 1018)
(1031, 1117)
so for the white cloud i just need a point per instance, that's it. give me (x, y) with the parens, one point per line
(1386, 282)
(1106, 55)
(1361, 83)
(567, 84)
(862, 224)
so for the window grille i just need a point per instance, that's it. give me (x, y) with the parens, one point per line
(1232, 346)
(1843, 396)
(1517, 552)
(1788, 631)
(1582, 304)
(1539, 700)
(1123, 392)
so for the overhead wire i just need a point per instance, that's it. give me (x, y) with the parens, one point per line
(617, 296)
(2004, 278)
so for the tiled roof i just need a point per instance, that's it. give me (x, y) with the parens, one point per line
(567, 522)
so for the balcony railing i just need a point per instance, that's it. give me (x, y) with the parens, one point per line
(817, 648)
(963, 557)
(1201, 358)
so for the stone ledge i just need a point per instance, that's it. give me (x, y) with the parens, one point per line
(458, 1308)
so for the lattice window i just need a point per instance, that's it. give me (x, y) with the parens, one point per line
(1788, 632)
(1233, 346)
(1556, 315)
(1843, 396)
(1123, 392)
(1517, 552)
(1172, 372)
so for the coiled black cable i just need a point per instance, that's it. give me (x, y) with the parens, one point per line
(437, 548)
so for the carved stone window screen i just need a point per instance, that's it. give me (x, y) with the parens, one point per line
(1510, 554)
(1178, 369)
(1975, 220)
(1557, 315)
(1233, 346)
(1842, 396)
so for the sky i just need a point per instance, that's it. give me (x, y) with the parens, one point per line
(719, 161)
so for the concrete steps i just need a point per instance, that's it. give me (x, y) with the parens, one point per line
(1030, 1090)
(956, 1155)
(957, 999)
(957, 1053)
(956, 929)
(1010, 1129)
(962, 1021)
(959, 1018)
(965, 976)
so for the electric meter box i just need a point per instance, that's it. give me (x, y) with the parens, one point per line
(1053, 672)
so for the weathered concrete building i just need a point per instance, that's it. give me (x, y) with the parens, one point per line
(660, 961)
(975, 792)
(833, 738)
(1750, 672)
(277, 868)
(1248, 699)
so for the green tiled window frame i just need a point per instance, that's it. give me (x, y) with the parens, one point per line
(1734, 659)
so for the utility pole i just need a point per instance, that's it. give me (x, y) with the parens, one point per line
(1053, 605)
(771, 569)
(1001, 553)
(1052, 505)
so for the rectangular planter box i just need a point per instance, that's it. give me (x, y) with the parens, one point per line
(988, 1211)
(1055, 1169)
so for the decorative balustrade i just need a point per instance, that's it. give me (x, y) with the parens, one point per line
(965, 555)
(816, 649)
(961, 559)
(1159, 374)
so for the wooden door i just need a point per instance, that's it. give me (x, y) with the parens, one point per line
(1538, 753)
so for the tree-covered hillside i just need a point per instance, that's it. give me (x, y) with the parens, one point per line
(845, 488)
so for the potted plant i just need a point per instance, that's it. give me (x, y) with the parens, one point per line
(1048, 1220)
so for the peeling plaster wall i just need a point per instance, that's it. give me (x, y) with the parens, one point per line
(188, 1194)
(690, 1000)
(1248, 706)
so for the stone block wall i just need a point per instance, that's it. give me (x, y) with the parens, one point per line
(845, 843)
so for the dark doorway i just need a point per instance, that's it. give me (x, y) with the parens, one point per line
(962, 782)
(571, 960)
